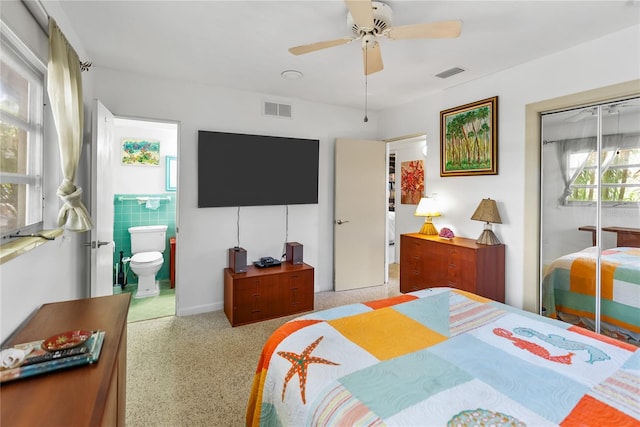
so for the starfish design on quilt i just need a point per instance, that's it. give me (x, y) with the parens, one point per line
(533, 348)
(300, 365)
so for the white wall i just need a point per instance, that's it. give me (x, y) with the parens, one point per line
(603, 62)
(133, 179)
(205, 235)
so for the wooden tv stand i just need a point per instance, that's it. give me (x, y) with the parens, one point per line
(89, 395)
(267, 293)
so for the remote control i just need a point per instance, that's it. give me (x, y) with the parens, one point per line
(55, 355)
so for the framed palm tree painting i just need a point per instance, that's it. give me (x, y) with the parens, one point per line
(469, 139)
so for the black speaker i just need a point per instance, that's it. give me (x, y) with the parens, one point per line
(294, 253)
(238, 260)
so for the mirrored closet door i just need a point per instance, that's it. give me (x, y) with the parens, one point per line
(590, 217)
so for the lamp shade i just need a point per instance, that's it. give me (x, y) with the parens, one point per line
(487, 211)
(427, 207)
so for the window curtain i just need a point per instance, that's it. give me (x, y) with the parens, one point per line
(64, 85)
(562, 152)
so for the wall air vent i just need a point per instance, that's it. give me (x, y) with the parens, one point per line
(450, 72)
(275, 109)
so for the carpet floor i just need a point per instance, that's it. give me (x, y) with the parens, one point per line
(198, 370)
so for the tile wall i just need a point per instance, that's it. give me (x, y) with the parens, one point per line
(130, 212)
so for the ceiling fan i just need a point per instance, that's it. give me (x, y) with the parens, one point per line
(369, 20)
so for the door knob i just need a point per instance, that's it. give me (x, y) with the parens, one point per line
(340, 221)
(93, 244)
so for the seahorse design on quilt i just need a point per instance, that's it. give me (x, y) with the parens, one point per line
(533, 348)
(595, 354)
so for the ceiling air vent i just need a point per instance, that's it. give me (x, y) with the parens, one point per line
(276, 110)
(450, 72)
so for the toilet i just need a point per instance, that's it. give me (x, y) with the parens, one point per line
(147, 244)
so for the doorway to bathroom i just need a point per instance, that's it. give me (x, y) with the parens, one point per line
(144, 182)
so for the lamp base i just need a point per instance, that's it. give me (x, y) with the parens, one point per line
(428, 228)
(488, 238)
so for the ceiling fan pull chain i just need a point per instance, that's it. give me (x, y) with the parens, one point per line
(366, 81)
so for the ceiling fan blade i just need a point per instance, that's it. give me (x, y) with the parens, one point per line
(307, 48)
(372, 58)
(361, 12)
(430, 30)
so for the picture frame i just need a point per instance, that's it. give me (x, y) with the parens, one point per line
(171, 173)
(469, 139)
(411, 182)
(140, 152)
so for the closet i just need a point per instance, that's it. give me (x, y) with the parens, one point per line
(590, 217)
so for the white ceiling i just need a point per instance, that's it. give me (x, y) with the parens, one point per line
(243, 44)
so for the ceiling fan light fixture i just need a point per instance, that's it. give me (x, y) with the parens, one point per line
(292, 75)
(382, 18)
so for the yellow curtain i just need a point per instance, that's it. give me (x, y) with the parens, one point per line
(64, 85)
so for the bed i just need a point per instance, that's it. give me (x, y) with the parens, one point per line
(568, 290)
(442, 356)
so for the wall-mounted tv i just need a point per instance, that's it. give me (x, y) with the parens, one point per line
(255, 170)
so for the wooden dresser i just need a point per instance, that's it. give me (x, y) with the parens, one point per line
(429, 261)
(267, 293)
(89, 395)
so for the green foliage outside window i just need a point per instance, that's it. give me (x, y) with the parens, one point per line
(620, 178)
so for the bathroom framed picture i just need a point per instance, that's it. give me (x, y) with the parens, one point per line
(141, 152)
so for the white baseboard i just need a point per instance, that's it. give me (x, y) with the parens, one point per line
(198, 309)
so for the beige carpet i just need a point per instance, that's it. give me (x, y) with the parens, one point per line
(197, 370)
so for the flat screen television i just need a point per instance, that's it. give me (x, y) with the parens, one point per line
(256, 170)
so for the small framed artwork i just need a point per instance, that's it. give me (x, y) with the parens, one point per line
(411, 182)
(140, 152)
(469, 139)
(171, 173)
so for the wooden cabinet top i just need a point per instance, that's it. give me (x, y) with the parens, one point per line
(456, 241)
(253, 271)
(73, 397)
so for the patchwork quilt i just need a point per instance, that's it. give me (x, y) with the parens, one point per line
(440, 357)
(569, 287)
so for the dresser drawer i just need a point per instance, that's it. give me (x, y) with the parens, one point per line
(261, 294)
(428, 261)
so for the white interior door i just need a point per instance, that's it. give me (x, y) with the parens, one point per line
(102, 246)
(359, 214)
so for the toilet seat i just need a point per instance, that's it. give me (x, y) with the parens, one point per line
(146, 258)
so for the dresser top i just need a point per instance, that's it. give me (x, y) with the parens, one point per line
(456, 241)
(252, 270)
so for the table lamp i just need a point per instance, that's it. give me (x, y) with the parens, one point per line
(487, 211)
(428, 209)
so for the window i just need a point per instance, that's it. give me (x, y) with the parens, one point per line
(21, 135)
(620, 170)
